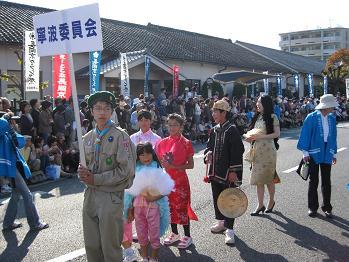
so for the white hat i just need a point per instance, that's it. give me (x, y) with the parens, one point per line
(327, 101)
(136, 101)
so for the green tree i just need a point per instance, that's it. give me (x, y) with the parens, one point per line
(215, 87)
(337, 70)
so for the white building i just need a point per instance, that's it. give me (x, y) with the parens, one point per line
(318, 43)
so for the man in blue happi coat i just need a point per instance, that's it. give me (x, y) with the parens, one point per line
(13, 165)
(318, 142)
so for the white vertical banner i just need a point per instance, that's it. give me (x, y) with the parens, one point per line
(347, 87)
(266, 83)
(31, 63)
(125, 80)
(325, 85)
(310, 84)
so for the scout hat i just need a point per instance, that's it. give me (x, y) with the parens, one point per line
(222, 105)
(102, 96)
(327, 101)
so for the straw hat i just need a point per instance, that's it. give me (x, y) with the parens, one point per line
(222, 105)
(232, 202)
(327, 101)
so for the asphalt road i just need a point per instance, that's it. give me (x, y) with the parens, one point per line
(286, 235)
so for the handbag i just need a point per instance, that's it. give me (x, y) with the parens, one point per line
(276, 179)
(303, 170)
(249, 155)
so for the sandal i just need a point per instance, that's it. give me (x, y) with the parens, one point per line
(185, 242)
(170, 239)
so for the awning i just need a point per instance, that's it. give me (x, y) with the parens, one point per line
(243, 77)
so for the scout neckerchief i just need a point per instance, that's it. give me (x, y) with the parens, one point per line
(99, 138)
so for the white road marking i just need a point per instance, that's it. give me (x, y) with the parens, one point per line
(199, 156)
(343, 125)
(341, 149)
(290, 170)
(35, 194)
(295, 168)
(69, 256)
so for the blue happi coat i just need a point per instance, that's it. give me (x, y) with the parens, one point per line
(312, 138)
(9, 154)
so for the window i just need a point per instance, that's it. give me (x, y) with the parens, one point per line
(285, 38)
(328, 34)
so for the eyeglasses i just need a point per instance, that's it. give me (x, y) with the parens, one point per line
(101, 109)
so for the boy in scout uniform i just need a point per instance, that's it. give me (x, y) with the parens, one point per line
(110, 160)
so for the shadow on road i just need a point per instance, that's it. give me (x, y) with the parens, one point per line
(311, 240)
(13, 252)
(189, 254)
(338, 222)
(61, 187)
(250, 254)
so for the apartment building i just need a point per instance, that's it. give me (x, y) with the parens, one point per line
(319, 43)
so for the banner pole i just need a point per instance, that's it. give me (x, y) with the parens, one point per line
(76, 110)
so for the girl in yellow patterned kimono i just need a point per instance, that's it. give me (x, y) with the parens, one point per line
(266, 130)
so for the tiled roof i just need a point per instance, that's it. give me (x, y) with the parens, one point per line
(299, 63)
(162, 42)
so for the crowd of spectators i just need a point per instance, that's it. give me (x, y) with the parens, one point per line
(50, 128)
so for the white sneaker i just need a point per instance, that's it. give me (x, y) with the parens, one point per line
(218, 227)
(5, 189)
(171, 238)
(229, 237)
(129, 255)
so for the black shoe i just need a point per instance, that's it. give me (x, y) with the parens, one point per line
(256, 213)
(13, 226)
(39, 227)
(328, 214)
(312, 213)
(269, 210)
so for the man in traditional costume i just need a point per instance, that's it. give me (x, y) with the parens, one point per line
(224, 152)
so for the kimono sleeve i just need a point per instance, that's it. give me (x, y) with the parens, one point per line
(306, 133)
(236, 151)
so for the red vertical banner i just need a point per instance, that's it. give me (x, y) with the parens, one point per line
(61, 77)
(175, 80)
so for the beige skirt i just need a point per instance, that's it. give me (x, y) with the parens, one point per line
(264, 162)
